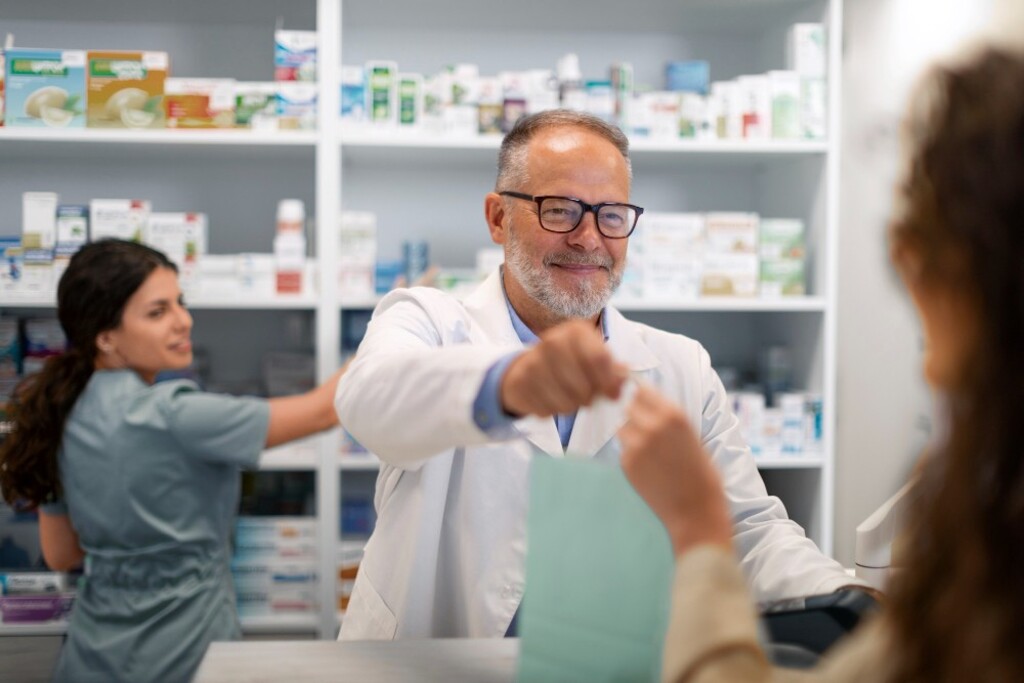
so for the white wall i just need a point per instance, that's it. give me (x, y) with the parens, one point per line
(884, 406)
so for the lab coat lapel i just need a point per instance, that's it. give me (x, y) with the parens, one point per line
(596, 425)
(488, 308)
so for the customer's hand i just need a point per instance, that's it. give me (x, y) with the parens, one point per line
(569, 368)
(663, 458)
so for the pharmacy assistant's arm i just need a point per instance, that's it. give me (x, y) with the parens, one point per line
(775, 554)
(409, 392)
(293, 417)
(59, 542)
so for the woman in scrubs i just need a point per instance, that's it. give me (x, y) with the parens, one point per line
(138, 479)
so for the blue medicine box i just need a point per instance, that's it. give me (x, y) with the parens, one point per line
(689, 76)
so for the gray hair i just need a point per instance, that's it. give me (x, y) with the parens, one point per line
(512, 156)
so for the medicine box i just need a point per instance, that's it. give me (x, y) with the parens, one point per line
(182, 237)
(256, 105)
(353, 93)
(124, 219)
(35, 609)
(782, 277)
(45, 88)
(199, 102)
(382, 91)
(782, 238)
(28, 583)
(39, 220)
(125, 89)
(295, 56)
(72, 229)
(672, 255)
(784, 87)
(731, 233)
(296, 105)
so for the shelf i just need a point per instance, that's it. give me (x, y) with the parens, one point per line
(263, 12)
(790, 462)
(369, 145)
(297, 455)
(49, 628)
(710, 304)
(723, 304)
(55, 143)
(358, 463)
(738, 16)
(369, 302)
(351, 547)
(305, 302)
(289, 623)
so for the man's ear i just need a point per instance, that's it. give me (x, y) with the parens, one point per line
(494, 212)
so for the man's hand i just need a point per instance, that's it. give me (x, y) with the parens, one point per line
(569, 368)
(663, 458)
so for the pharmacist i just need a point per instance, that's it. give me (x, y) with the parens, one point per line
(455, 397)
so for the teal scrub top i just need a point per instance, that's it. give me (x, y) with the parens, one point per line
(151, 485)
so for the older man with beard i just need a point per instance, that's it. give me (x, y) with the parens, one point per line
(457, 397)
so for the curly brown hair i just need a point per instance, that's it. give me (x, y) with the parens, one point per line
(958, 608)
(91, 298)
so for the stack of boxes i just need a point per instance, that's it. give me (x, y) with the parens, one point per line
(295, 55)
(35, 597)
(730, 255)
(31, 266)
(133, 89)
(668, 256)
(782, 249)
(780, 104)
(357, 255)
(792, 427)
(274, 566)
(682, 256)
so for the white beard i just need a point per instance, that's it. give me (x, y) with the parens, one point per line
(586, 302)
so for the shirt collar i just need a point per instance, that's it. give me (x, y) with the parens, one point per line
(524, 333)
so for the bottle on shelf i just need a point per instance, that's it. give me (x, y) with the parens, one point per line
(290, 246)
(571, 93)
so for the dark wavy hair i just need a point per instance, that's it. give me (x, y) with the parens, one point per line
(91, 298)
(958, 607)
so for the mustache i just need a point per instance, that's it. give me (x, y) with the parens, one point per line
(571, 258)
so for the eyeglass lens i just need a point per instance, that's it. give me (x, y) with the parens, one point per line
(562, 215)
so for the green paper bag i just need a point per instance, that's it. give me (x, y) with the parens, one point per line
(599, 571)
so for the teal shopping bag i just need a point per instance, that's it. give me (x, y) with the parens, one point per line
(599, 570)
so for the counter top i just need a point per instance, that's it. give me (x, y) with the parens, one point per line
(403, 661)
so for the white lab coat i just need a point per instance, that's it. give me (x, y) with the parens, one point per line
(447, 558)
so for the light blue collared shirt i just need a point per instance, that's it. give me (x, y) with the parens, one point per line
(487, 411)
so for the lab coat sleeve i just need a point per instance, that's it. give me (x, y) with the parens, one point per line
(774, 553)
(409, 393)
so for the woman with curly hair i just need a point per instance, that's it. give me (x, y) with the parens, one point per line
(956, 612)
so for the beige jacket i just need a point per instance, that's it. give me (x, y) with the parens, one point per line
(712, 635)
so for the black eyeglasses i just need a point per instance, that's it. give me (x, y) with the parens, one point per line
(564, 214)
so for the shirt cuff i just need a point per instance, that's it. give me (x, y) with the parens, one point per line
(488, 414)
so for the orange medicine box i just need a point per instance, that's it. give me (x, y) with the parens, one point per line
(125, 89)
(200, 102)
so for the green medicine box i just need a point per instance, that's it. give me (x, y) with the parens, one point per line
(45, 88)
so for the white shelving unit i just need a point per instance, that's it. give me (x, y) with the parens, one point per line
(430, 187)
